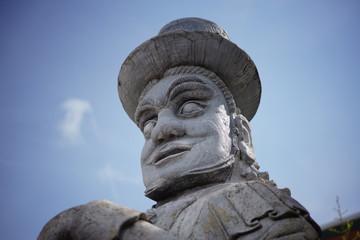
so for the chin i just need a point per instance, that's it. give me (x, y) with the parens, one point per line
(167, 187)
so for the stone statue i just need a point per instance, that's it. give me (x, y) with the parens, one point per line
(192, 92)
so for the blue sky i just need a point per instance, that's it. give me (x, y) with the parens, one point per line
(65, 139)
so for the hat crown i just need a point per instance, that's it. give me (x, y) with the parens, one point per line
(191, 42)
(194, 24)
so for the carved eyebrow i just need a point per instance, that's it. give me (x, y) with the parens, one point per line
(143, 106)
(187, 83)
(179, 86)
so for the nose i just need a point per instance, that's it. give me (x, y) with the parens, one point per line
(167, 128)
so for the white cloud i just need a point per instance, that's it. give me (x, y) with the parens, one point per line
(112, 178)
(70, 127)
(107, 173)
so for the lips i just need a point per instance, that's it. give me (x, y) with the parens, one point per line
(169, 152)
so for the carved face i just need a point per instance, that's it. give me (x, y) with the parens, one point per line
(186, 125)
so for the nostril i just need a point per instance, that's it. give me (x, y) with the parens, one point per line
(166, 132)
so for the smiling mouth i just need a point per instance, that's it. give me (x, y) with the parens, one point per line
(169, 154)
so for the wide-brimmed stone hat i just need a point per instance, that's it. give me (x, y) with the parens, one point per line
(192, 42)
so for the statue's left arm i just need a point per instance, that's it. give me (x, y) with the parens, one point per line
(101, 220)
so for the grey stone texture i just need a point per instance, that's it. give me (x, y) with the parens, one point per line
(96, 220)
(191, 48)
(246, 210)
(192, 93)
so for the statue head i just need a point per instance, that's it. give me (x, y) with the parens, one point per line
(191, 92)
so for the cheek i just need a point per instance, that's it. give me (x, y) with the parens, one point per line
(224, 139)
(146, 151)
(222, 129)
(215, 126)
(220, 122)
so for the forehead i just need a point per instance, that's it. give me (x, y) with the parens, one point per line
(166, 84)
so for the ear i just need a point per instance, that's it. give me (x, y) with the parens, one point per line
(247, 152)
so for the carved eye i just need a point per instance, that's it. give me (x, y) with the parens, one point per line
(190, 108)
(148, 127)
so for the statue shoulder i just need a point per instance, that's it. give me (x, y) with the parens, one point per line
(230, 210)
(266, 204)
(100, 219)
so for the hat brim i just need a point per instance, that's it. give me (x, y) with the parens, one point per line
(152, 58)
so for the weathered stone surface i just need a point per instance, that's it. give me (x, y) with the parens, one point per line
(192, 93)
(191, 48)
(246, 210)
(96, 220)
